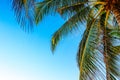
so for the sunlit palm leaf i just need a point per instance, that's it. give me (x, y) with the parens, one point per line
(72, 24)
(89, 58)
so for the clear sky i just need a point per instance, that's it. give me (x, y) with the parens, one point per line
(27, 56)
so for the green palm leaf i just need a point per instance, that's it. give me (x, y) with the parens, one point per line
(72, 24)
(88, 54)
(50, 7)
(24, 12)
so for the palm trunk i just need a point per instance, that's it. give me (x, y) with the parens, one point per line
(105, 54)
(116, 12)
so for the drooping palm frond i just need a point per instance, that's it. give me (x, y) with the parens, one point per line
(69, 10)
(89, 57)
(24, 12)
(50, 7)
(72, 24)
(88, 49)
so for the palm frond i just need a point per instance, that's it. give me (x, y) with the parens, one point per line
(48, 7)
(72, 24)
(70, 10)
(24, 12)
(89, 60)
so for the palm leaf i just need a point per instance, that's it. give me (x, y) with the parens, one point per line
(48, 7)
(72, 24)
(24, 12)
(89, 59)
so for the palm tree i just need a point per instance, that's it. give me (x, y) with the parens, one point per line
(98, 57)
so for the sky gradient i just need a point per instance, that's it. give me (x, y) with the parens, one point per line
(28, 56)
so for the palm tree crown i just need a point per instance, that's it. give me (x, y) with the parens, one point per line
(98, 58)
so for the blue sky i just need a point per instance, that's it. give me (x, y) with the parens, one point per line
(27, 56)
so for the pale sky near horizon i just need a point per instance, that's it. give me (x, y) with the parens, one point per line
(27, 56)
